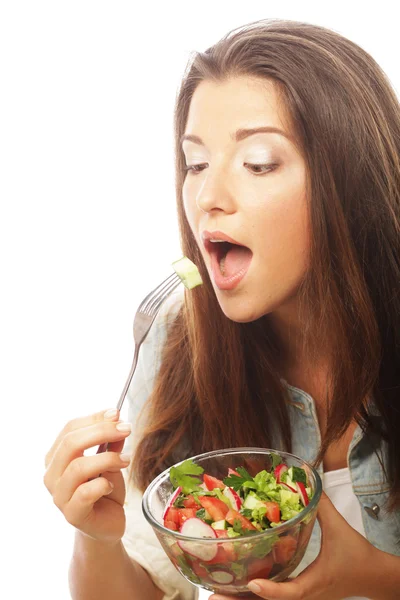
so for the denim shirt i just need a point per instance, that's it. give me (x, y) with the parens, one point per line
(369, 485)
(382, 529)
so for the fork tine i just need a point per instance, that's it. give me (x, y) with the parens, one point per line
(159, 294)
(158, 301)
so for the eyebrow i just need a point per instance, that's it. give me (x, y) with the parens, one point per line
(239, 135)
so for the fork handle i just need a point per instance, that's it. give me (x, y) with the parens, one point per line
(104, 446)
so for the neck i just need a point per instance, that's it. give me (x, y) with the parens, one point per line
(297, 352)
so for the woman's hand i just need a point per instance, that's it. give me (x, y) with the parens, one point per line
(341, 569)
(92, 504)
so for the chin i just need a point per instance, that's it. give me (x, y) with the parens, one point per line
(241, 311)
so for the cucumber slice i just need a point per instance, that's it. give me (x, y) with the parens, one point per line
(219, 524)
(188, 272)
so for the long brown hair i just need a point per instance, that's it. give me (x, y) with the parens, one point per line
(224, 389)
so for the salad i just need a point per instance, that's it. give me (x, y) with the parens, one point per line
(239, 505)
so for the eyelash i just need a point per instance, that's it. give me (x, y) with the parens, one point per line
(271, 167)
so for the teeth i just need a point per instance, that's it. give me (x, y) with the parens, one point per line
(217, 240)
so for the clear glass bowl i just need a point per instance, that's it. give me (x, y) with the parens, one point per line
(271, 554)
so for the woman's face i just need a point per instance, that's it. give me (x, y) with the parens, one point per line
(251, 189)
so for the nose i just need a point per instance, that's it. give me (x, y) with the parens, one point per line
(214, 194)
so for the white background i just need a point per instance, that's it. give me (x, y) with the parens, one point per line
(87, 223)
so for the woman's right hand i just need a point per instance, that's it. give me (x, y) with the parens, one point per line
(87, 501)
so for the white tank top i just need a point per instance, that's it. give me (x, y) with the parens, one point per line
(337, 485)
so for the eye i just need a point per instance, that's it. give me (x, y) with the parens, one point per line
(265, 168)
(193, 168)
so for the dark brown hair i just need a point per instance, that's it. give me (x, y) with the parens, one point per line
(225, 391)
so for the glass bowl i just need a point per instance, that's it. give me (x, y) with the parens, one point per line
(271, 554)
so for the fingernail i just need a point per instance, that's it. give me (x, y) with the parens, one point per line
(124, 426)
(125, 457)
(254, 587)
(110, 413)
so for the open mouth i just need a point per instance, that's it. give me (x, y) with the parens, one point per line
(230, 258)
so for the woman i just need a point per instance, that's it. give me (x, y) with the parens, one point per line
(287, 145)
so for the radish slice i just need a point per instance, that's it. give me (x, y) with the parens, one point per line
(223, 577)
(233, 498)
(203, 486)
(288, 487)
(171, 501)
(303, 493)
(195, 527)
(279, 469)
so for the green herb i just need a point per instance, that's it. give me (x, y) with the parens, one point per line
(179, 501)
(237, 527)
(243, 549)
(182, 476)
(247, 512)
(236, 482)
(264, 546)
(299, 474)
(201, 514)
(276, 459)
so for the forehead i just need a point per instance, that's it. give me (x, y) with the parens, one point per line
(221, 108)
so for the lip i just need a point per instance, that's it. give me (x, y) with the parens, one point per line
(218, 235)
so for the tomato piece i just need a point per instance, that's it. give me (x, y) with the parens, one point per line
(284, 549)
(221, 533)
(171, 525)
(199, 569)
(273, 513)
(185, 514)
(232, 515)
(190, 502)
(214, 506)
(223, 557)
(228, 547)
(260, 568)
(172, 515)
(213, 482)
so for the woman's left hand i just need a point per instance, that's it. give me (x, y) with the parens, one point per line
(341, 569)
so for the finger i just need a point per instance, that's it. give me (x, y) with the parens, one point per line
(287, 590)
(74, 443)
(116, 446)
(219, 597)
(78, 423)
(81, 504)
(328, 516)
(82, 469)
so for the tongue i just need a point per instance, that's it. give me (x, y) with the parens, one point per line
(237, 258)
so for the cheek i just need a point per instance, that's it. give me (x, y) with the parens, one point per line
(187, 206)
(286, 237)
(192, 212)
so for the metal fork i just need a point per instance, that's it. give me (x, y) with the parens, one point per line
(142, 323)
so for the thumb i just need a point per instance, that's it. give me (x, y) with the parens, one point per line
(327, 514)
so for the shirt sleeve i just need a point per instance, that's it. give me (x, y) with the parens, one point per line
(139, 540)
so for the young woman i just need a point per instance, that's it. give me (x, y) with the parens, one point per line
(288, 194)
